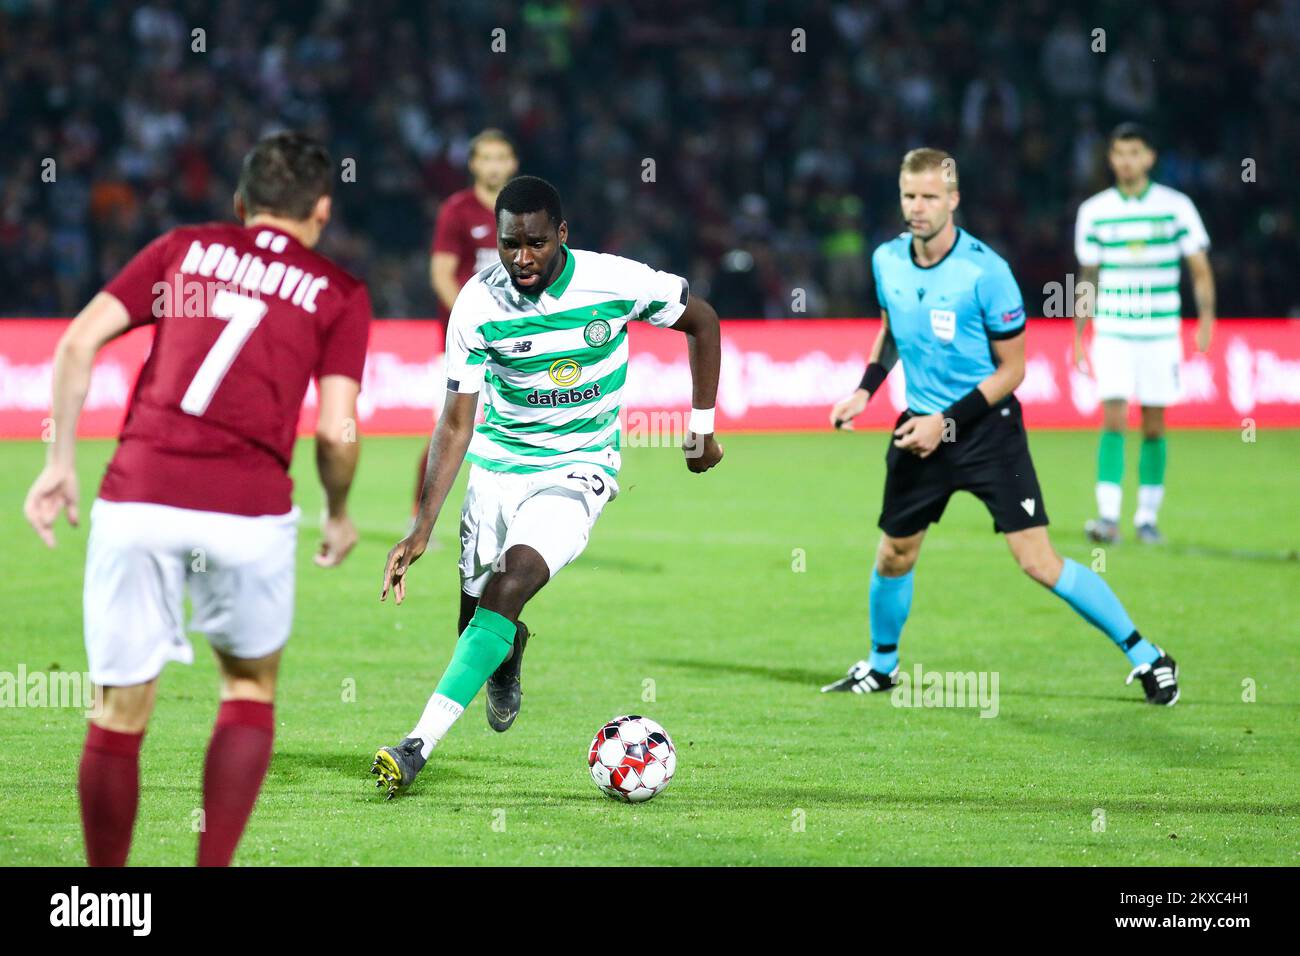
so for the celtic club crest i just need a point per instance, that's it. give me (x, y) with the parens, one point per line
(596, 333)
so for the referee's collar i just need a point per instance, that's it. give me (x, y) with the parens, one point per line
(911, 251)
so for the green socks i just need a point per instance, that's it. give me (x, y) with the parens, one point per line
(1110, 475)
(483, 645)
(1151, 461)
(1151, 481)
(1110, 458)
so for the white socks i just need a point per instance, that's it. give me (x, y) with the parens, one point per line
(439, 714)
(1149, 498)
(1110, 498)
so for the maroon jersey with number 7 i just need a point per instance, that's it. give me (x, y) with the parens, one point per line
(245, 317)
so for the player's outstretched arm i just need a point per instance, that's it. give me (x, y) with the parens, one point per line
(446, 455)
(884, 353)
(699, 322)
(55, 488)
(337, 451)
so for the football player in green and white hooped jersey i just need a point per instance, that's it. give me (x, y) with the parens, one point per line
(543, 333)
(1130, 241)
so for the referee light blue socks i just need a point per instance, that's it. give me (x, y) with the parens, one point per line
(1096, 603)
(891, 600)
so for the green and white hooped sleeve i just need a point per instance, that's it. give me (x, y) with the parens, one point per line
(466, 351)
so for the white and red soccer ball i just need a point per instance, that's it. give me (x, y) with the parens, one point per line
(632, 758)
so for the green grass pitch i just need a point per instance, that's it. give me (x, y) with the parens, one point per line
(691, 590)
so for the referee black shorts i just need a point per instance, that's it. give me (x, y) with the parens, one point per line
(989, 458)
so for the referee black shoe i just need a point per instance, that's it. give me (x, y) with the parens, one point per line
(504, 694)
(1159, 680)
(861, 679)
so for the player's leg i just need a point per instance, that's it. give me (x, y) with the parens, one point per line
(916, 492)
(1094, 601)
(503, 692)
(1113, 364)
(133, 595)
(108, 778)
(238, 753)
(1151, 474)
(547, 531)
(493, 633)
(488, 497)
(997, 467)
(468, 605)
(889, 603)
(1158, 387)
(528, 529)
(891, 598)
(243, 597)
(486, 640)
(1110, 473)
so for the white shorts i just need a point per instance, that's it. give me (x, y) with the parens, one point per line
(139, 562)
(1143, 368)
(551, 511)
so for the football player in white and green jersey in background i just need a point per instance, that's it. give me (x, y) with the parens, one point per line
(543, 334)
(1130, 241)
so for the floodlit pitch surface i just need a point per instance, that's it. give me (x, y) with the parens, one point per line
(718, 604)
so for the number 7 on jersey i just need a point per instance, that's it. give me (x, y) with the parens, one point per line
(241, 314)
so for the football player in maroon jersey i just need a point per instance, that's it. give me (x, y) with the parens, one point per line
(197, 496)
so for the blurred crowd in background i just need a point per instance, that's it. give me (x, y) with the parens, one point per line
(775, 153)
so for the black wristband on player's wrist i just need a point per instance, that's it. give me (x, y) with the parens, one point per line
(873, 378)
(968, 408)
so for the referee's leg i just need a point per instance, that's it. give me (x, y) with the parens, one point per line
(890, 598)
(1033, 551)
(1082, 589)
(897, 556)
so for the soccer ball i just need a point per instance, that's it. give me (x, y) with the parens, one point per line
(632, 758)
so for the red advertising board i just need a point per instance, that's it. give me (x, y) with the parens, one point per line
(776, 375)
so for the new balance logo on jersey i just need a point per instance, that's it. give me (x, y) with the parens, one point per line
(1028, 504)
(557, 397)
(524, 346)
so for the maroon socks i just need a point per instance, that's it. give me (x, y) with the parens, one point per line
(238, 756)
(108, 782)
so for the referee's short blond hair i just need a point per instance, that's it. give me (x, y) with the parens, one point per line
(926, 158)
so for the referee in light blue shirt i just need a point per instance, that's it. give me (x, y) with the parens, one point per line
(952, 313)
